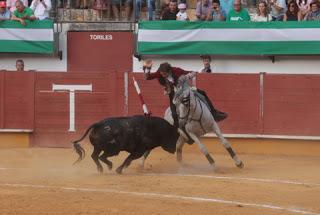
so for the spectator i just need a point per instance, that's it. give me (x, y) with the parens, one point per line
(314, 14)
(217, 14)
(226, 5)
(100, 6)
(82, 4)
(238, 14)
(206, 59)
(22, 14)
(304, 6)
(41, 8)
(171, 14)
(5, 14)
(182, 14)
(150, 5)
(278, 8)
(11, 4)
(116, 6)
(164, 6)
(203, 9)
(20, 65)
(293, 13)
(262, 14)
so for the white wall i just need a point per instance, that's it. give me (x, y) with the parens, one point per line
(237, 64)
(40, 63)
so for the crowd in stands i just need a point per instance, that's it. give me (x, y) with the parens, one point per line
(24, 11)
(234, 11)
(19, 11)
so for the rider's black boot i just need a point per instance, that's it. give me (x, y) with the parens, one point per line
(217, 115)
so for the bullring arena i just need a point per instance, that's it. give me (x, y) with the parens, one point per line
(281, 173)
(279, 178)
(271, 96)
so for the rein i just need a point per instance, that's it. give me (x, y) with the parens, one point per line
(186, 102)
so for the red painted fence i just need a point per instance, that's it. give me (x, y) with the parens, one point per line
(277, 104)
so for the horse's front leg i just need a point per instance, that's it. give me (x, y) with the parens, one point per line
(227, 146)
(180, 144)
(203, 149)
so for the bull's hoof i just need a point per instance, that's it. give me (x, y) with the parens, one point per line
(110, 166)
(240, 165)
(119, 170)
(100, 169)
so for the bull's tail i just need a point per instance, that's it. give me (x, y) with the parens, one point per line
(77, 147)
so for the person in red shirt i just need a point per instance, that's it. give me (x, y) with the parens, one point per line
(168, 77)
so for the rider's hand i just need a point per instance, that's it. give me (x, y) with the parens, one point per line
(147, 64)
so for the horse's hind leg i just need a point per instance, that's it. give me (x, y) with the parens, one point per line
(203, 149)
(227, 146)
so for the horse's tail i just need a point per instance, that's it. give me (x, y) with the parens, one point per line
(77, 147)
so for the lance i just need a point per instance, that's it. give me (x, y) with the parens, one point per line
(144, 106)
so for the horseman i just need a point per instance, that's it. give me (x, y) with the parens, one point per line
(168, 77)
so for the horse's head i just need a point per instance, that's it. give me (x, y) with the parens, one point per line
(182, 100)
(182, 93)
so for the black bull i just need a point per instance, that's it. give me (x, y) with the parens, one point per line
(136, 135)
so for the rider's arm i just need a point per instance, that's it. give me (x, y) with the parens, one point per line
(150, 76)
(180, 72)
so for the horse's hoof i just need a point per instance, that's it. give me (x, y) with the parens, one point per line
(240, 165)
(213, 166)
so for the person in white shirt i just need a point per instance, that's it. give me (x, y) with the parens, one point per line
(262, 14)
(278, 9)
(41, 8)
(182, 14)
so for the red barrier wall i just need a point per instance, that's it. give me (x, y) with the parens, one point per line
(17, 100)
(291, 104)
(52, 107)
(238, 95)
(285, 105)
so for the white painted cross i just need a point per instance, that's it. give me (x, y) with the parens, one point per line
(71, 89)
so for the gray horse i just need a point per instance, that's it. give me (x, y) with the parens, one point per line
(195, 116)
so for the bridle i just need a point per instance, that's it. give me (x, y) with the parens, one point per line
(186, 101)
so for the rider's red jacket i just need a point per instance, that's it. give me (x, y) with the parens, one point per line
(176, 73)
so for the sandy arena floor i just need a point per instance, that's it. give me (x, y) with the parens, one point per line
(43, 181)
